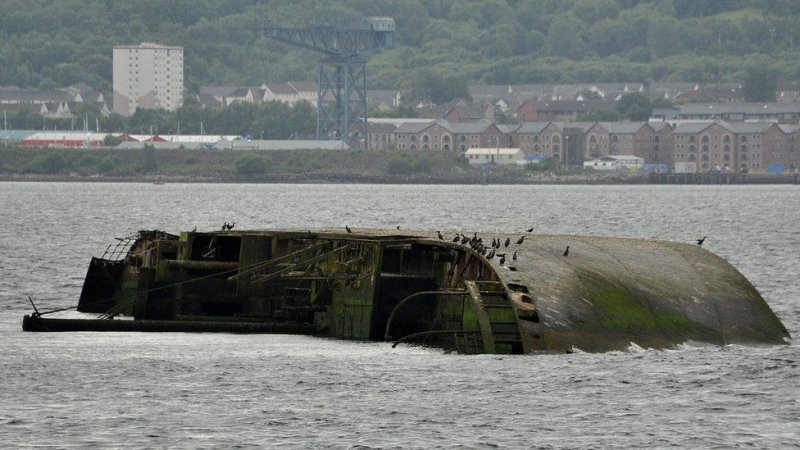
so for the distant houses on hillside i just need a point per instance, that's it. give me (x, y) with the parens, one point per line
(54, 103)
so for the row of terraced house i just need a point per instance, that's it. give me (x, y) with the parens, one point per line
(712, 145)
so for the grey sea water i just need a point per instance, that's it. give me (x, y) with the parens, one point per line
(175, 390)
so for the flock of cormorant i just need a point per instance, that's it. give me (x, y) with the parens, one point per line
(476, 243)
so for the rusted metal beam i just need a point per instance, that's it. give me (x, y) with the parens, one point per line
(202, 265)
(292, 268)
(274, 261)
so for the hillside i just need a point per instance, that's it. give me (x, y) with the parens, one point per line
(55, 43)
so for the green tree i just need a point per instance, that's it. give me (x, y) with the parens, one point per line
(252, 164)
(664, 37)
(565, 38)
(635, 107)
(400, 165)
(760, 84)
(149, 161)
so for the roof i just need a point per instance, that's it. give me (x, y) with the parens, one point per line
(15, 135)
(532, 127)
(493, 151)
(788, 128)
(735, 127)
(483, 91)
(281, 89)
(206, 99)
(506, 129)
(413, 127)
(218, 91)
(381, 127)
(273, 145)
(303, 86)
(583, 126)
(740, 108)
(571, 106)
(465, 127)
(677, 87)
(658, 126)
(620, 157)
(149, 46)
(691, 127)
(746, 127)
(66, 136)
(133, 145)
(27, 96)
(185, 138)
(240, 92)
(622, 127)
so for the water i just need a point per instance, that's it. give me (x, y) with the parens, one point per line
(208, 390)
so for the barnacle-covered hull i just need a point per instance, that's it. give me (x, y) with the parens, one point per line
(521, 296)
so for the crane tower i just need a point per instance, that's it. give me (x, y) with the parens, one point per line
(342, 83)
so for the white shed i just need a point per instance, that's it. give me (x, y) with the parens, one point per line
(503, 156)
(615, 162)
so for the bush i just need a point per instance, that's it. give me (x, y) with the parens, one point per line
(251, 164)
(108, 164)
(399, 165)
(299, 161)
(149, 162)
(50, 162)
(88, 161)
(544, 165)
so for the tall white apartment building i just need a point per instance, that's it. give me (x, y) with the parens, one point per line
(148, 76)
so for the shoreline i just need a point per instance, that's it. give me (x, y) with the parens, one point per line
(462, 179)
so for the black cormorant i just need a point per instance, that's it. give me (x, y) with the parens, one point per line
(566, 252)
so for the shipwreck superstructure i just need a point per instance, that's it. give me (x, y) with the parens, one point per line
(469, 293)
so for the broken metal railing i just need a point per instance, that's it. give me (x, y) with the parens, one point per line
(118, 251)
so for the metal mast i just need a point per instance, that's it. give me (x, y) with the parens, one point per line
(342, 82)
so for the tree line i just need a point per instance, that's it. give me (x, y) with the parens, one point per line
(54, 43)
(269, 120)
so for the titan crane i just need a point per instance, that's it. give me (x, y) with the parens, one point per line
(342, 84)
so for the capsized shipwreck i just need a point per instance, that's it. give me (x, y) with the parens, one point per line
(470, 293)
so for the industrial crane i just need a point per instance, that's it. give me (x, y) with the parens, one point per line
(342, 83)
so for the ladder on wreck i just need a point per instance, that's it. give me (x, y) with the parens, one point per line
(497, 319)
